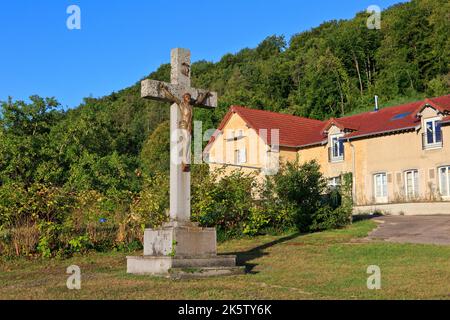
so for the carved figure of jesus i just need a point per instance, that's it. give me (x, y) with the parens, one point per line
(186, 106)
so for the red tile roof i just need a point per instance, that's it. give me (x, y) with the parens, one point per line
(301, 132)
(293, 131)
(392, 119)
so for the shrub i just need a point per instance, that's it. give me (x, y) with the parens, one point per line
(304, 195)
(327, 218)
(301, 187)
(225, 203)
(48, 221)
(270, 212)
(150, 207)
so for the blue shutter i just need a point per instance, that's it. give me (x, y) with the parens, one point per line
(438, 132)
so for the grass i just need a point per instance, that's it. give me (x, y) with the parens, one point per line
(327, 265)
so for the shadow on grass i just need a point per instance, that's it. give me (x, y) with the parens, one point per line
(362, 217)
(244, 258)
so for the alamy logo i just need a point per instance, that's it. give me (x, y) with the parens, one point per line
(74, 281)
(374, 281)
(74, 20)
(374, 21)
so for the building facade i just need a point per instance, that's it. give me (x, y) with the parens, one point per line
(399, 156)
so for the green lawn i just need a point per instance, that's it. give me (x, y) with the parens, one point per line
(328, 265)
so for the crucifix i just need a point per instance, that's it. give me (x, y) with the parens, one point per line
(179, 245)
(183, 98)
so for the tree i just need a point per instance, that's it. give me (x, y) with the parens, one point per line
(25, 136)
(155, 154)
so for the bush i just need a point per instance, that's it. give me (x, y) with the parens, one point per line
(270, 213)
(48, 221)
(150, 207)
(327, 218)
(224, 203)
(301, 188)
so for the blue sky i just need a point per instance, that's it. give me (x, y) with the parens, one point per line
(122, 41)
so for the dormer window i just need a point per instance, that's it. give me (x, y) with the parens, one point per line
(432, 138)
(336, 150)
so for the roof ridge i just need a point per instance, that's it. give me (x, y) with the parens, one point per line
(424, 101)
(276, 113)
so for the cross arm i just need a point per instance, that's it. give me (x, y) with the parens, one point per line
(152, 89)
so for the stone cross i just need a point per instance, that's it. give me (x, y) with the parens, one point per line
(184, 97)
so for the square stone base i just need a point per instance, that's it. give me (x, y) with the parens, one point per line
(180, 240)
(183, 267)
(181, 251)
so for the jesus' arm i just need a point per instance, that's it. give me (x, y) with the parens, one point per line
(169, 94)
(201, 99)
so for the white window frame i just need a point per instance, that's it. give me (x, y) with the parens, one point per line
(339, 156)
(241, 156)
(415, 184)
(434, 144)
(447, 174)
(335, 182)
(383, 197)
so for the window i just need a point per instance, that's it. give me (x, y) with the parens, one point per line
(444, 181)
(241, 156)
(334, 183)
(380, 187)
(433, 133)
(412, 184)
(336, 151)
(230, 135)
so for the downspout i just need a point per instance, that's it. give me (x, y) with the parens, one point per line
(353, 172)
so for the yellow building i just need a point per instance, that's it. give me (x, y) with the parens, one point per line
(399, 156)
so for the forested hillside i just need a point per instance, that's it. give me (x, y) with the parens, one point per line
(110, 145)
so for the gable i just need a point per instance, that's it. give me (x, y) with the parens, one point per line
(428, 112)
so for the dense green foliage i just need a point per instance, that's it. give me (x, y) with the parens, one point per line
(93, 167)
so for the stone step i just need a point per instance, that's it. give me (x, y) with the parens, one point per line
(210, 261)
(160, 265)
(193, 273)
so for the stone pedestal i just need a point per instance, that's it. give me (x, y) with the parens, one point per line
(181, 250)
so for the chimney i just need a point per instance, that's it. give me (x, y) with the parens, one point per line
(376, 104)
